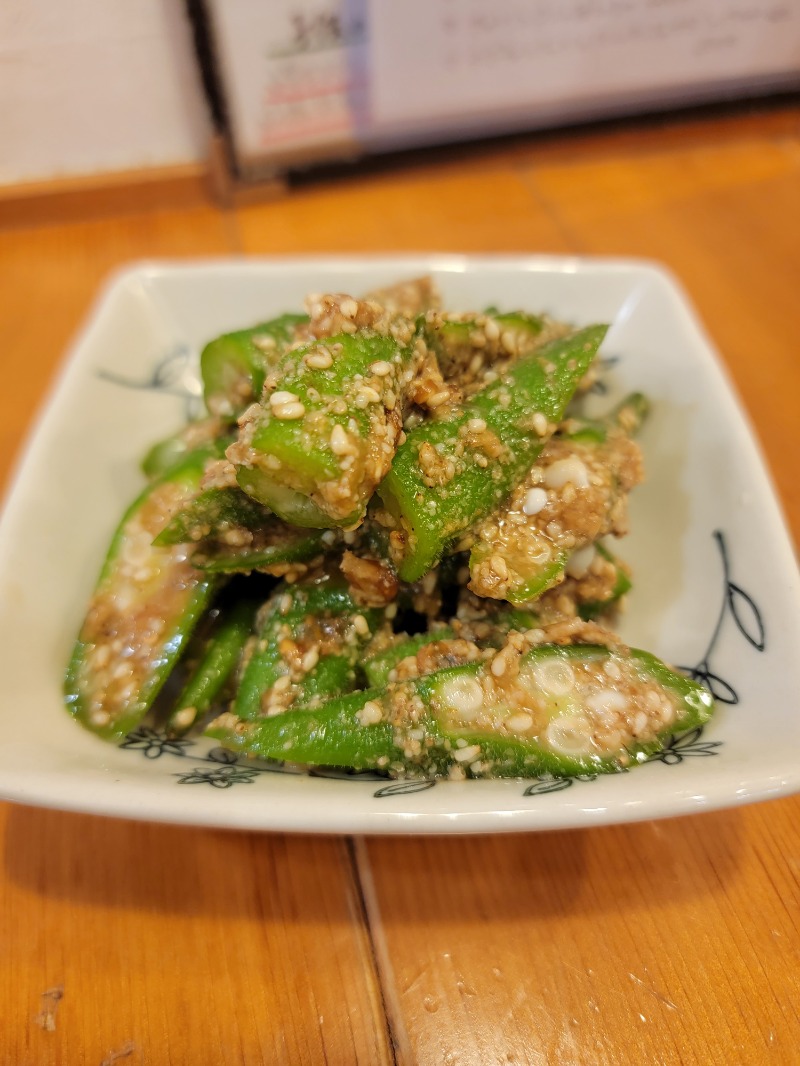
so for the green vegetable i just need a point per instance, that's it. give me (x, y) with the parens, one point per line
(143, 611)
(310, 635)
(379, 664)
(220, 656)
(164, 454)
(453, 339)
(515, 555)
(447, 475)
(551, 718)
(233, 533)
(327, 429)
(589, 609)
(235, 365)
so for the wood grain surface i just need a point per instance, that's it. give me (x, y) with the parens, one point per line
(663, 942)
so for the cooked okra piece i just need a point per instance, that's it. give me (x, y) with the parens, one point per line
(231, 533)
(561, 710)
(146, 604)
(450, 473)
(381, 661)
(594, 599)
(575, 493)
(166, 453)
(466, 345)
(234, 366)
(316, 447)
(220, 657)
(308, 644)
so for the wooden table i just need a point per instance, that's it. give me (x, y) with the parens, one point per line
(664, 942)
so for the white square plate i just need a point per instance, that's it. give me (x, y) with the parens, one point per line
(716, 584)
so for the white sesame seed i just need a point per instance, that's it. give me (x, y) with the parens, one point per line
(606, 701)
(491, 329)
(264, 342)
(519, 723)
(320, 359)
(310, 659)
(498, 666)
(640, 723)
(381, 369)
(476, 425)
(468, 754)
(535, 500)
(277, 399)
(498, 564)
(349, 308)
(567, 471)
(340, 442)
(370, 713)
(184, 717)
(360, 625)
(539, 423)
(282, 684)
(287, 412)
(579, 562)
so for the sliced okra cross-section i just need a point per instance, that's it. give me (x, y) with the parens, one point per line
(561, 710)
(575, 493)
(144, 609)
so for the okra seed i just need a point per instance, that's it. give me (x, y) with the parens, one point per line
(569, 735)
(555, 678)
(464, 696)
(519, 723)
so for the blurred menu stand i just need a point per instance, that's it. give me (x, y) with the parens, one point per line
(293, 83)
